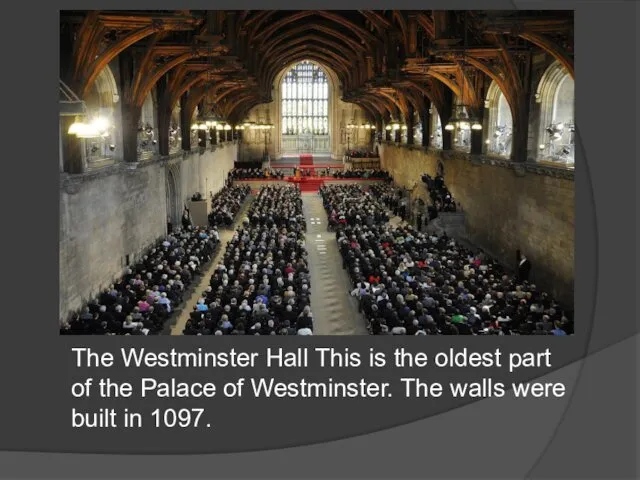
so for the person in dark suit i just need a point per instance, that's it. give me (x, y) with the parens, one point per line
(524, 268)
(186, 218)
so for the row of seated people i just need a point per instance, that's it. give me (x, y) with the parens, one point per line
(251, 173)
(226, 204)
(392, 197)
(376, 174)
(411, 283)
(147, 295)
(279, 205)
(362, 154)
(262, 285)
(441, 197)
(351, 204)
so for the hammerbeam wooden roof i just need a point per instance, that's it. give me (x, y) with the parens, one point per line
(390, 62)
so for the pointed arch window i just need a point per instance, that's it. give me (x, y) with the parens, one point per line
(306, 87)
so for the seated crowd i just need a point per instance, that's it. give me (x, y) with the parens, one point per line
(244, 173)
(362, 154)
(378, 174)
(226, 204)
(141, 302)
(411, 283)
(387, 194)
(262, 284)
(350, 204)
(251, 173)
(279, 205)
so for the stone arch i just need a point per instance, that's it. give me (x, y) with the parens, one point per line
(555, 96)
(173, 196)
(101, 100)
(499, 125)
(104, 90)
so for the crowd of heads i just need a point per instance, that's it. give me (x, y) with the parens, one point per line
(244, 173)
(147, 295)
(279, 205)
(351, 204)
(441, 197)
(255, 173)
(226, 204)
(361, 173)
(362, 154)
(413, 283)
(386, 193)
(261, 286)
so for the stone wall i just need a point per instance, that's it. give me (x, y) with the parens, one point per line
(505, 210)
(108, 214)
(206, 172)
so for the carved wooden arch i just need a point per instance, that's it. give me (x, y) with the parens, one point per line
(277, 49)
(404, 28)
(253, 23)
(468, 94)
(366, 36)
(555, 50)
(346, 25)
(388, 105)
(151, 80)
(380, 110)
(191, 82)
(334, 34)
(145, 65)
(319, 58)
(399, 103)
(202, 92)
(378, 21)
(427, 25)
(264, 34)
(337, 63)
(430, 93)
(244, 104)
(415, 97)
(288, 49)
(509, 94)
(236, 99)
(451, 84)
(88, 58)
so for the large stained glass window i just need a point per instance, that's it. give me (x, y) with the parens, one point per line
(305, 100)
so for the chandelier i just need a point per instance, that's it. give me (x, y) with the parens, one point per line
(461, 118)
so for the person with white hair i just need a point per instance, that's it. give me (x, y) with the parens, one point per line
(462, 292)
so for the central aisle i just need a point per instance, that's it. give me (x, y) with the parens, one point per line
(335, 312)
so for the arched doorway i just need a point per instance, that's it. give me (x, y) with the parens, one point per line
(172, 194)
(304, 110)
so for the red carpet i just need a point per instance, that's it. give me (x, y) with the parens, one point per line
(306, 159)
(311, 184)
